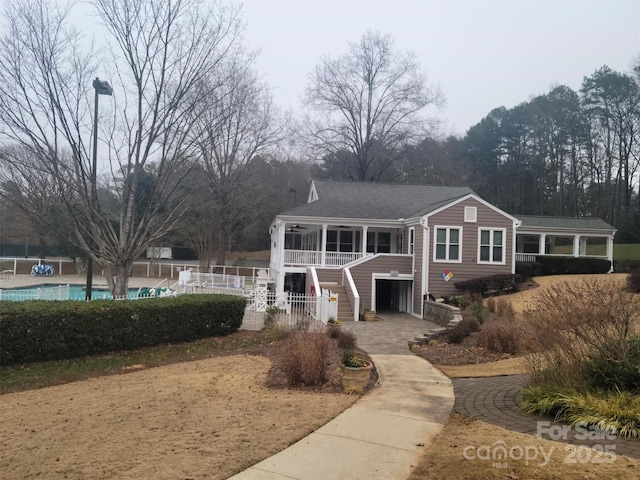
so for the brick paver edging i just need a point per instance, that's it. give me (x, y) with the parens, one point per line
(496, 400)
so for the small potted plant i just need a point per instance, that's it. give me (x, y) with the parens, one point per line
(355, 372)
(333, 322)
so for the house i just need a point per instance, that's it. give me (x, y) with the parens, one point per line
(387, 246)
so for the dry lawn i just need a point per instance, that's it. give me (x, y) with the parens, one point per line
(211, 418)
(205, 419)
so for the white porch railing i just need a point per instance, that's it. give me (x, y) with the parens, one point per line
(531, 257)
(302, 257)
(337, 259)
(314, 258)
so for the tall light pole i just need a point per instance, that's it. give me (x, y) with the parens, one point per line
(101, 88)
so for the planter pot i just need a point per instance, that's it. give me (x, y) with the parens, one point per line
(369, 315)
(334, 326)
(355, 378)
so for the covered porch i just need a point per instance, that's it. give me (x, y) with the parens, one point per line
(335, 245)
(563, 237)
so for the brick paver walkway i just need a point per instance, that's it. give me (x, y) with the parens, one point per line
(495, 400)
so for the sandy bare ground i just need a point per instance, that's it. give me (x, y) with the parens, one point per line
(206, 419)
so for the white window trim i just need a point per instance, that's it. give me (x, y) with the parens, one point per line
(435, 243)
(504, 245)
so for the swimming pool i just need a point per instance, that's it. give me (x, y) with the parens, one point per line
(48, 291)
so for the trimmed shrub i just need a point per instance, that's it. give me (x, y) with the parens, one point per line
(501, 283)
(462, 330)
(528, 269)
(39, 331)
(625, 266)
(552, 265)
(305, 358)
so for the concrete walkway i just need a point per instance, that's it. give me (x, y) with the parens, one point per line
(385, 433)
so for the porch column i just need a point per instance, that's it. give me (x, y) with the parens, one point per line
(576, 245)
(281, 260)
(363, 249)
(583, 247)
(323, 259)
(278, 247)
(541, 246)
(610, 251)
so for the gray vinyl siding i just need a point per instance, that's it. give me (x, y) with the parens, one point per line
(362, 274)
(469, 267)
(329, 275)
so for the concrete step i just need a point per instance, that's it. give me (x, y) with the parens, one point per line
(345, 311)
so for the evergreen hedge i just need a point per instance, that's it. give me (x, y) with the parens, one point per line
(552, 265)
(492, 284)
(36, 331)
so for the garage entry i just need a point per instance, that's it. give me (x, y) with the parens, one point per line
(393, 295)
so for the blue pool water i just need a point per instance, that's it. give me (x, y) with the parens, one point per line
(58, 292)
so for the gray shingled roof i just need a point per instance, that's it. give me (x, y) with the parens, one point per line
(382, 201)
(574, 223)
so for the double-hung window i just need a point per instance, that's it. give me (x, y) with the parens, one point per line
(448, 243)
(491, 246)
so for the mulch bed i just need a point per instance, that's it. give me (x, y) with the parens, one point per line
(465, 353)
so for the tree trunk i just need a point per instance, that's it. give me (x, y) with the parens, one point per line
(117, 279)
(221, 256)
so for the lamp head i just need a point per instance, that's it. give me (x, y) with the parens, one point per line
(102, 88)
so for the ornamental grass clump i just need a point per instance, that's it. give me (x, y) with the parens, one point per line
(614, 412)
(306, 357)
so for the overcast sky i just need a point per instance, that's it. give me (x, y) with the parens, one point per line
(483, 54)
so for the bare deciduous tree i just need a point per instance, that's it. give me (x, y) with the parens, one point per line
(233, 124)
(162, 52)
(369, 104)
